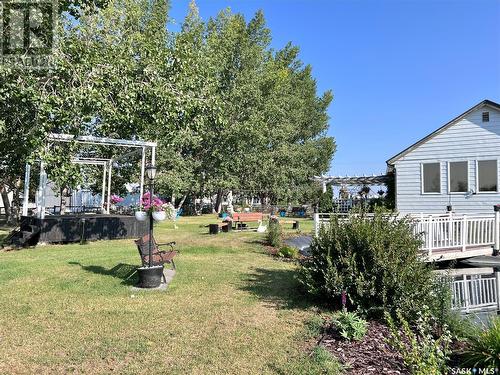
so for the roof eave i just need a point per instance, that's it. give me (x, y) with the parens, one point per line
(391, 161)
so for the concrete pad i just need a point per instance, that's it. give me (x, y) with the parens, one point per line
(169, 276)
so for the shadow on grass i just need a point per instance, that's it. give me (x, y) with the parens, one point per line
(278, 287)
(126, 272)
(257, 241)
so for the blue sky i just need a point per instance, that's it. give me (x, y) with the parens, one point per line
(398, 69)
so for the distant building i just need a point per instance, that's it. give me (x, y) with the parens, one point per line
(457, 165)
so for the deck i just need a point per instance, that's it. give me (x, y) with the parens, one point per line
(449, 236)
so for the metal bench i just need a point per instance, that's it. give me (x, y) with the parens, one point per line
(160, 257)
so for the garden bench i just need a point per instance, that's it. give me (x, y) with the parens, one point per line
(160, 257)
(241, 218)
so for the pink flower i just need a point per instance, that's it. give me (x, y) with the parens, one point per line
(116, 199)
(154, 204)
(344, 299)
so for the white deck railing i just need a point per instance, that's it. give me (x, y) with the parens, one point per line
(476, 293)
(457, 232)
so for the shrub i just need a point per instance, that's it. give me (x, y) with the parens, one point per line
(274, 233)
(325, 203)
(484, 348)
(422, 352)
(350, 325)
(288, 252)
(375, 260)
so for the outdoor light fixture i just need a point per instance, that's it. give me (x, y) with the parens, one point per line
(151, 171)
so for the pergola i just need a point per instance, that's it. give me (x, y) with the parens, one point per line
(138, 147)
(351, 180)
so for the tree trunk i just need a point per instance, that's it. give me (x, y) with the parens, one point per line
(16, 204)
(5, 199)
(182, 201)
(218, 201)
(172, 199)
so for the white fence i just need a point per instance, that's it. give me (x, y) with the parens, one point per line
(476, 293)
(458, 232)
(454, 232)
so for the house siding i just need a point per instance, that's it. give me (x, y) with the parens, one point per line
(470, 140)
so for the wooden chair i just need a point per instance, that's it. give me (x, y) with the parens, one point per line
(160, 257)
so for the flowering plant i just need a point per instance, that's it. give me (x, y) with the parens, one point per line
(116, 199)
(151, 204)
(170, 210)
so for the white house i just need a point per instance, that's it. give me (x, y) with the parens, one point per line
(457, 165)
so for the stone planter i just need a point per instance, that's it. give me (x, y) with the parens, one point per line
(141, 215)
(159, 215)
(150, 277)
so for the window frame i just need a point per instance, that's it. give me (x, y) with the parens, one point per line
(485, 116)
(477, 178)
(449, 177)
(422, 190)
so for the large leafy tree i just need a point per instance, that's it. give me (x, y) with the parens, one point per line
(228, 112)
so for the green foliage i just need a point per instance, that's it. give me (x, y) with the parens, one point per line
(375, 260)
(227, 110)
(484, 347)
(314, 326)
(320, 361)
(327, 362)
(325, 203)
(350, 325)
(288, 252)
(461, 327)
(422, 352)
(274, 234)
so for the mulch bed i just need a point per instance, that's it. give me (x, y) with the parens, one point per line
(372, 355)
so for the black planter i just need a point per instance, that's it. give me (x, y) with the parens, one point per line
(150, 277)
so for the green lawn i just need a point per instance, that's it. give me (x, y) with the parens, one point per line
(4, 231)
(231, 309)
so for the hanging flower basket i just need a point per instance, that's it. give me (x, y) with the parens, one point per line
(159, 215)
(141, 215)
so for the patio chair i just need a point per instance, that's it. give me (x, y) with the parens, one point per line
(160, 257)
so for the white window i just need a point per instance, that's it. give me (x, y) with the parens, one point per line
(458, 177)
(487, 176)
(431, 178)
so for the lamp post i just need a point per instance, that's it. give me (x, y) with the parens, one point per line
(150, 275)
(151, 173)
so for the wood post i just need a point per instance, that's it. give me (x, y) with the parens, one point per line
(496, 247)
(143, 168)
(430, 234)
(316, 224)
(27, 175)
(497, 279)
(103, 192)
(464, 232)
(466, 294)
(109, 187)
